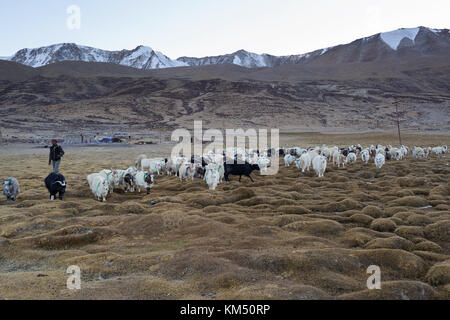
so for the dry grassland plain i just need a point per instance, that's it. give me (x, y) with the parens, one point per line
(287, 236)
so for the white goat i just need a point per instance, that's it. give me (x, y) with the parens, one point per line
(304, 162)
(365, 156)
(379, 160)
(288, 160)
(351, 158)
(320, 165)
(99, 186)
(212, 176)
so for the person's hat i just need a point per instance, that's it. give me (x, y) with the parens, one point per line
(54, 141)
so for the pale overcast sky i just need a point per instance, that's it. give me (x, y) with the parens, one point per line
(211, 27)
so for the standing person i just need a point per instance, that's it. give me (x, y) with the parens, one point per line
(56, 153)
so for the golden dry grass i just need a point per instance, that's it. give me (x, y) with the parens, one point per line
(288, 236)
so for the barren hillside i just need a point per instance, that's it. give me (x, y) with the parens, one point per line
(78, 96)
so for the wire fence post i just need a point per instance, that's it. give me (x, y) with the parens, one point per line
(398, 122)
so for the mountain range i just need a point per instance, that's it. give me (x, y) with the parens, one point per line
(70, 88)
(406, 42)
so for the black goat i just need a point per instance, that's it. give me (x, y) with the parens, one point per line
(345, 152)
(200, 172)
(56, 184)
(388, 155)
(244, 169)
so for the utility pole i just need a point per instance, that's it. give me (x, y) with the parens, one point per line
(398, 122)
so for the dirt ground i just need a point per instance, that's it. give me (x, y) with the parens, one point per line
(288, 236)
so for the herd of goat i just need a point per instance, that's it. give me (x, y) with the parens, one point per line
(216, 167)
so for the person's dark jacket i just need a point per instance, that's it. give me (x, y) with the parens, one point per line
(56, 153)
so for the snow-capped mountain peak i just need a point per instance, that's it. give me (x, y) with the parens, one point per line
(241, 58)
(141, 57)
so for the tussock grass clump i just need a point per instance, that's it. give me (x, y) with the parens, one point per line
(300, 188)
(212, 209)
(304, 262)
(318, 227)
(390, 243)
(68, 237)
(287, 219)
(294, 210)
(349, 213)
(435, 203)
(418, 220)
(267, 292)
(314, 184)
(439, 231)
(242, 193)
(411, 201)
(151, 224)
(358, 237)
(27, 203)
(344, 205)
(402, 215)
(225, 219)
(439, 215)
(230, 280)
(205, 200)
(173, 219)
(253, 201)
(195, 189)
(409, 232)
(428, 246)
(421, 192)
(398, 262)
(431, 256)
(402, 171)
(263, 207)
(367, 175)
(390, 211)
(4, 242)
(440, 192)
(395, 290)
(337, 282)
(443, 207)
(373, 211)
(310, 241)
(404, 193)
(361, 196)
(339, 179)
(283, 202)
(439, 274)
(131, 207)
(397, 221)
(383, 225)
(189, 264)
(361, 219)
(411, 182)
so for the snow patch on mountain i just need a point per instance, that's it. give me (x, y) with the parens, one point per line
(393, 38)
